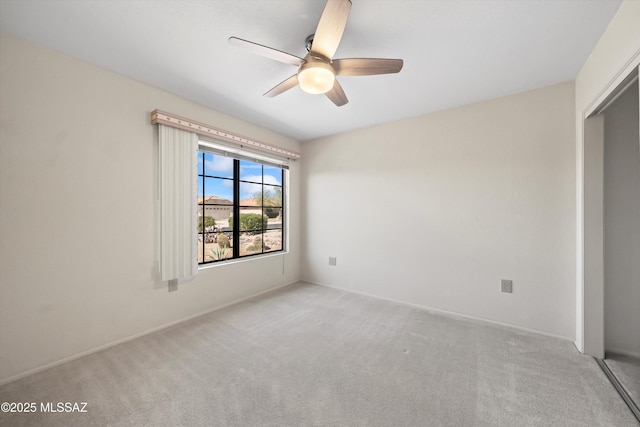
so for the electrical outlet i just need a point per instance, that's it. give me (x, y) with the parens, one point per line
(173, 285)
(332, 260)
(506, 286)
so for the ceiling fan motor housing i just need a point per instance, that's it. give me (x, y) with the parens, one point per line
(308, 42)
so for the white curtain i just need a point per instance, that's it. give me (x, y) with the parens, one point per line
(178, 205)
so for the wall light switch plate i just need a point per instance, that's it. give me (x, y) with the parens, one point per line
(506, 286)
(332, 260)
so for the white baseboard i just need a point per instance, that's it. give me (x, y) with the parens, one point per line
(138, 335)
(447, 313)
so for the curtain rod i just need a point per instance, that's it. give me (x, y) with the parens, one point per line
(172, 120)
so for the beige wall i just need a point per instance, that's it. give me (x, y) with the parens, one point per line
(614, 56)
(436, 210)
(77, 212)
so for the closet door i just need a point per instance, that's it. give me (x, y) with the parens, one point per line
(622, 224)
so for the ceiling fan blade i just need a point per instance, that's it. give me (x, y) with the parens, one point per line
(336, 95)
(330, 28)
(267, 51)
(283, 86)
(366, 66)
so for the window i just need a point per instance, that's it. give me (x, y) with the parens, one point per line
(231, 188)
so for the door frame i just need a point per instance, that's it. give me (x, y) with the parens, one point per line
(590, 214)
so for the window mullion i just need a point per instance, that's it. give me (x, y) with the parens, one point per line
(204, 209)
(236, 208)
(262, 225)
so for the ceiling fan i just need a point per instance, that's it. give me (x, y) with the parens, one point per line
(317, 71)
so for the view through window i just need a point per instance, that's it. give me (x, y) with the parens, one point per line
(231, 188)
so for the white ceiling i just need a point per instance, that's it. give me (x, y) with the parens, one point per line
(455, 52)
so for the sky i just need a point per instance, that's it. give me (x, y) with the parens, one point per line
(222, 169)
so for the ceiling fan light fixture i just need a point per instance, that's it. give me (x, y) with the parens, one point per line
(316, 77)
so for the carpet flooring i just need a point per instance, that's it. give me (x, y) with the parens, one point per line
(309, 355)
